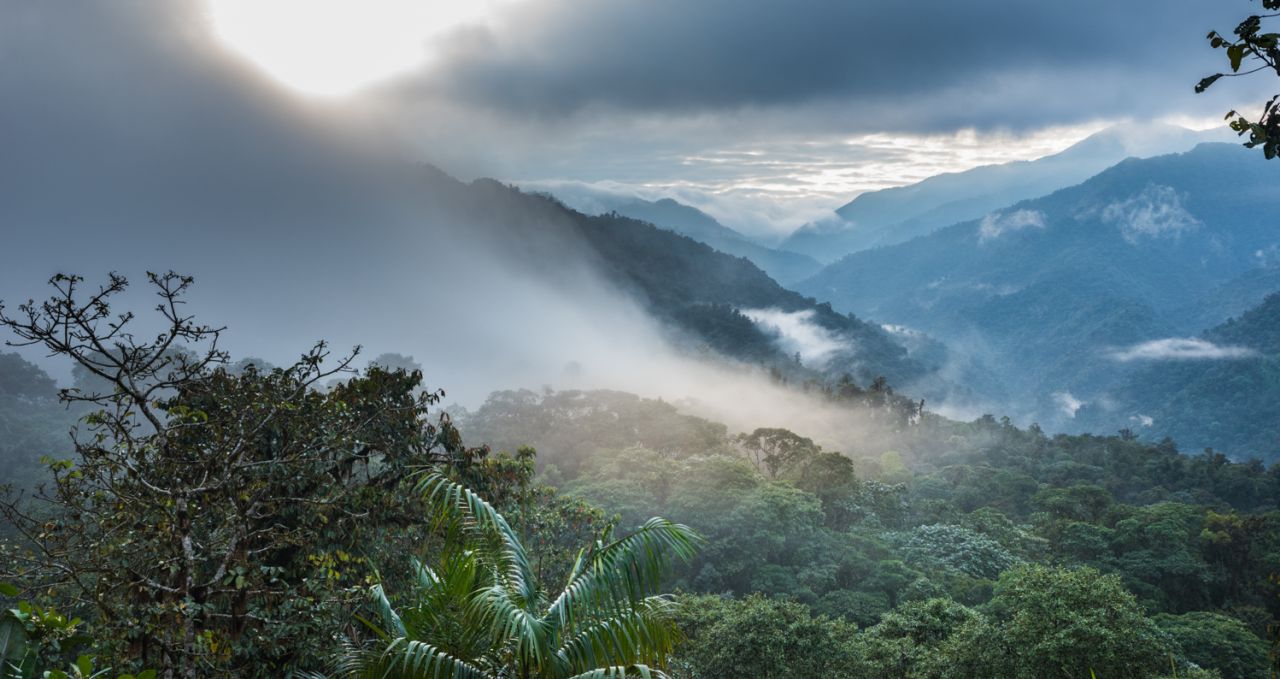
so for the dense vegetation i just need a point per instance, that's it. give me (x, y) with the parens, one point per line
(237, 518)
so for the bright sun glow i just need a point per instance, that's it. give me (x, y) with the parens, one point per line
(334, 47)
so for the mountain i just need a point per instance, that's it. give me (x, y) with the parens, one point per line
(705, 293)
(783, 266)
(894, 215)
(1231, 404)
(1050, 291)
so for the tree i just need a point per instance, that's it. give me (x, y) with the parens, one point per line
(1253, 50)
(21, 379)
(1055, 622)
(956, 549)
(1217, 642)
(917, 640)
(762, 638)
(211, 521)
(774, 451)
(479, 610)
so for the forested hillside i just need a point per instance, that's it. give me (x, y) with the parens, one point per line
(938, 524)
(687, 284)
(1228, 405)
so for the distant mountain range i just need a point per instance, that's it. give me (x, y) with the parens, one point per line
(1052, 292)
(894, 215)
(783, 266)
(712, 297)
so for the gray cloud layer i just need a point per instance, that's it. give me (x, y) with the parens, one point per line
(930, 64)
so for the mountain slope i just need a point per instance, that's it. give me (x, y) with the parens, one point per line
(1048, 289)
(898, 214)
(1231, 404)
(783, 266)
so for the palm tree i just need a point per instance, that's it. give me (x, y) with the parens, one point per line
(478, 613)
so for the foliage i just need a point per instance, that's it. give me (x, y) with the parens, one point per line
(761, 637)
(922, 639)
(1217, 641)
(1054, 622)
(1256, 50)
(210, 521)
(480, 611)
(956, 548)
(33, 638)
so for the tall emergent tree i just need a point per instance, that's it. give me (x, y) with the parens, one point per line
(213, 521)
(1252, 50)
(479, 612)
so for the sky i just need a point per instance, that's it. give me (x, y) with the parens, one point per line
(765, 113)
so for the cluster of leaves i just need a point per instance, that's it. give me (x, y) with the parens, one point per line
(39, 642)
(1255, 50)
(479, 610)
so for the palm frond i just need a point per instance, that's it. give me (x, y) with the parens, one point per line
(408, 659)
(494, 609)
(392, 625)
(644, 636)
(619, 575)
(622, 672)
(452, 499)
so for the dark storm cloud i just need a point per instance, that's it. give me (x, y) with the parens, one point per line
(925, 64)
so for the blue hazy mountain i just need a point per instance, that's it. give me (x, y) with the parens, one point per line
(1230, 405)
(894, 215)
(783, 266)
(1049, 292)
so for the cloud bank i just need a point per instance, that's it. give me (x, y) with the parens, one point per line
(797, 333)
(1179, 349)
(997, 224)
(1155, 212)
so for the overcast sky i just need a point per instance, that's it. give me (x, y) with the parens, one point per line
(767, 113)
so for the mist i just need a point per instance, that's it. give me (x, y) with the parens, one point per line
(301, 222)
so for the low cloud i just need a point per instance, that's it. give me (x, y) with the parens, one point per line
(997, 223)
(1179, 349)
(1156, 212)
(1068, 403)
(797, 333)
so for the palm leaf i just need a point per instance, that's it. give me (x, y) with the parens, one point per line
(408, 659)
(617, 576)
(452, 499)
(646, 635)
(621, 672)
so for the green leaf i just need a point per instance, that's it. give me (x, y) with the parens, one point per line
(1205, 83)
(7, 589)
(1236, 54)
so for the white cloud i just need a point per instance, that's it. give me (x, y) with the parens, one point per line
(1156, 212)
(797, 333)
(1142, 420)
(998, 223)
(1068, 403)
(1179, 349)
